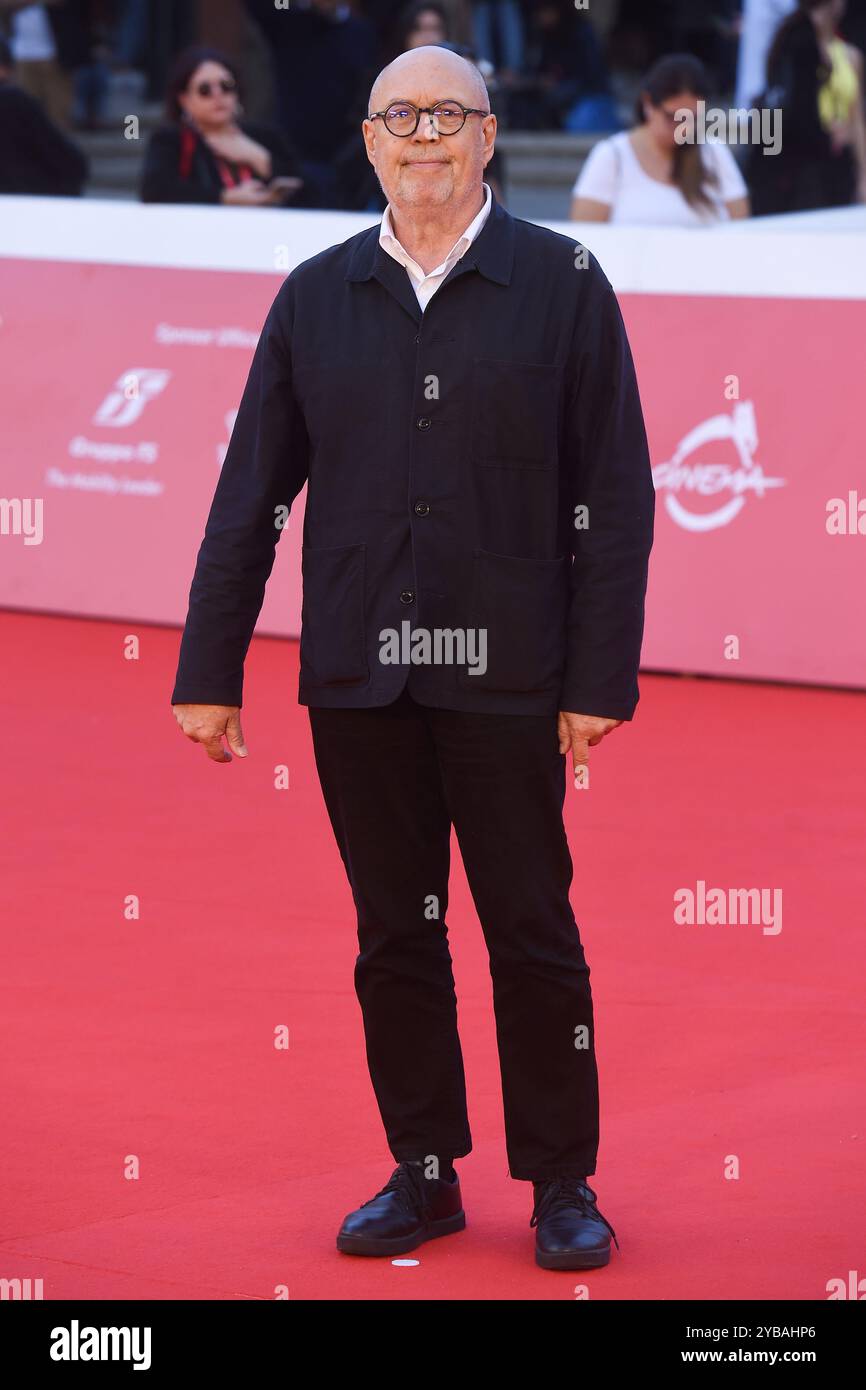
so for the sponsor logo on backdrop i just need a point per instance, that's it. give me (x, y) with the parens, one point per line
(145, 451)
(130, 394)
(121, 408)
(685, 480)
(229, 336)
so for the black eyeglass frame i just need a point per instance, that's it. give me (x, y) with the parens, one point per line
(427, 111)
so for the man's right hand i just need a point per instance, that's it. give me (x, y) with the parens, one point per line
(209, 724)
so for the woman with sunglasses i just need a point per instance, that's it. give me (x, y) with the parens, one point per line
(206, 154)
(645, 176)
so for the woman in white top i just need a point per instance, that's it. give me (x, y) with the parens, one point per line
(644, 176)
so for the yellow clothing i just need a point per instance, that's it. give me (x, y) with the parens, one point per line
(839, 95)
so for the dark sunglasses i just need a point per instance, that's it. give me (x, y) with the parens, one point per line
(225, 84)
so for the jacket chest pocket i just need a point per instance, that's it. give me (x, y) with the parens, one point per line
(515, 408)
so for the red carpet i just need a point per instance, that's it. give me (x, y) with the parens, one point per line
(154, 1038)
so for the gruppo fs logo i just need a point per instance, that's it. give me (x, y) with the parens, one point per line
(130, 394)
(683, 483)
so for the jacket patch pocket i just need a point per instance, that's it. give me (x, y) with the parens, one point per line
(515, 407)
(333, 639)
(519, 609)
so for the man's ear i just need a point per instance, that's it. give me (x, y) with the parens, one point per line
(491, 128)
(368, 130)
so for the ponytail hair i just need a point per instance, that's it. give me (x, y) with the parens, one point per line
(680, 72)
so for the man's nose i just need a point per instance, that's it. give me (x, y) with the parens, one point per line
(427, 127)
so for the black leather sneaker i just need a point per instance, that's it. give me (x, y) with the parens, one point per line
(410, 1209)
(571, 1232)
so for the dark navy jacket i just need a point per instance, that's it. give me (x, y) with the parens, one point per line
(446, 456)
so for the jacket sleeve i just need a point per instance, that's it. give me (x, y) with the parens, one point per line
(264, 470)
(161, 180)
(610, 476)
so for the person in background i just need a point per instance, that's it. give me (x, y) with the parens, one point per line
(35, 156)
(816, 80)
(644, 176)
(421, 24)
(321, 54)
(206, 154)
(855, 23)
(382, 15)
(499, 37)
(35, 54)
(761, 19)
(567, 59)
(61, 51)
(386, 15)
(94, 20)
(131, 34)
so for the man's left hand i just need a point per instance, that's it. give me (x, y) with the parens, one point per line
(580, 732)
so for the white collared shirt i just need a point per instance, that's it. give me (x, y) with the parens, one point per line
(424, 285)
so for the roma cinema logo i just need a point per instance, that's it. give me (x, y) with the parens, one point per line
(684, 479)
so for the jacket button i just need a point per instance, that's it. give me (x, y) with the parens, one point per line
(407, 596)
(423, 422)
(421, 508)
(417, 337)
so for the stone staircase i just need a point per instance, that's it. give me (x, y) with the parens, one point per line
(115, 161)
(540, 169)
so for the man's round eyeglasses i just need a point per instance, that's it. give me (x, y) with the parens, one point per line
(401, 117)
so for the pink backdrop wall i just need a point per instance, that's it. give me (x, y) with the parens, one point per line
(744, 468)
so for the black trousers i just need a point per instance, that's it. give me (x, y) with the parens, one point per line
(395, 779)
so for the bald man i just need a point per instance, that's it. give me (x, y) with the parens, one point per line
(456, 389)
